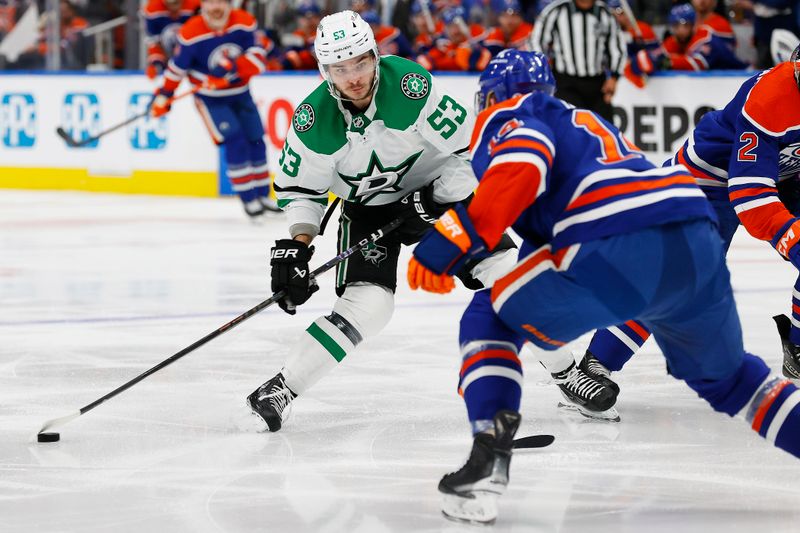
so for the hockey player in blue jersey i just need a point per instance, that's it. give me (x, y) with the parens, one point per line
(746, 159)
(606, 237)
(217, 50)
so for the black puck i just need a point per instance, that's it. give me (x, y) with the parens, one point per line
(48, 437)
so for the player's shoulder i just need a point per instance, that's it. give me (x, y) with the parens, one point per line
(193, 30)
(492, 119)
(773, 104)
(403, 90)
(648, 34)
(239, 19)
(719, 24)
(318, 122)
(495, 34)
(155, 8)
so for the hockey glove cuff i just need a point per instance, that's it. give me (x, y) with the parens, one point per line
(786, 243)
(290, 272)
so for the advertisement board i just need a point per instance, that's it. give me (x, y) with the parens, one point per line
(175, 155)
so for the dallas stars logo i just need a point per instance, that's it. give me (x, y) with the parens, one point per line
(377, 178)
(303, 118)
(414, 86)
(374, 253)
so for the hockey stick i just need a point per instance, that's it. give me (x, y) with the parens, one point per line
(72, 143)
(626, 9)
(230, 325)
(534, 441)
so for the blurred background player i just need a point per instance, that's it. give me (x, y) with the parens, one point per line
(380, 135)
(460, 48)
(587, 49)
(745, 159)
(218, 51)
(638, 34)
(707, 18)
(689, 47)
(299, 45)
(605, 236)
(512, 31)
(390, 40)
(163, 20)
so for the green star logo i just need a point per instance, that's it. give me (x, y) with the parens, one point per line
(303, 118)
(414, 86)
(378, 179)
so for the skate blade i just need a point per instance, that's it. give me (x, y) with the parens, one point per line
(479, 508)
(248, 421)
(610, 415)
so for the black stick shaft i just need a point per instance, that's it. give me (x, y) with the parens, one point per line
(244, 316)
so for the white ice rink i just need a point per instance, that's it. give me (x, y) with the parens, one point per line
(95, 289)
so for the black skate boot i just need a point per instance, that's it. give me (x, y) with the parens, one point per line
(269, 401)
(593, 368)
(589, 397)
(254, 210)
(791, 351)
(470, 494)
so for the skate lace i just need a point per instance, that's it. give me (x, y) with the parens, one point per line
(279, 399)
(581, 384)
(596, 367)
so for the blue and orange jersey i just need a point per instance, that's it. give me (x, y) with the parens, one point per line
(391, 41)
(162, 27)
(745, 149)
(720, 27)
(425, 41)
(300, 50)
(561, 175)
(468, 55)
(706, 50)
(648, 40)
(496, 41)
(202, 52)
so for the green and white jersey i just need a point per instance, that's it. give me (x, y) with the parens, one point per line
(411, 134)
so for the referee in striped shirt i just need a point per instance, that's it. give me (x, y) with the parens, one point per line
(587, 49)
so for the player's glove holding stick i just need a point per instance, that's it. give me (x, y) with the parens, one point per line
(290, 272)
(443, 252)
(419, 212)
(162, 102)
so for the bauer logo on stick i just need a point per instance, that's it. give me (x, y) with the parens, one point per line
(303, 118)
(414, 86)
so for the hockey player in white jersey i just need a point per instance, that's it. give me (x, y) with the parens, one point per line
(381, 135)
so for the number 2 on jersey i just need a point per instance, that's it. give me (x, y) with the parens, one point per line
(614, 151)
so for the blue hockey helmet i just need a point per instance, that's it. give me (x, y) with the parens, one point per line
(307, 7)
(505, 6)
(452, 14)
(514, 72)
(681, 14)
(371, 16)
(613, 4)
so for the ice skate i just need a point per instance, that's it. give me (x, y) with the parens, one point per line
(587, 396)
(254, 210)
(791, 351)
(593, 368)
(269, 205)
(269, 401)
(470, 494)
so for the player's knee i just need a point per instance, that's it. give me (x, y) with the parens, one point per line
(366, 307)
(732, 394)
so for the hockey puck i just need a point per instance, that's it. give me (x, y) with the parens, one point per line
(48, 437)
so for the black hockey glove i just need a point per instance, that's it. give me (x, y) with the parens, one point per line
(290, 272)
(420, 212)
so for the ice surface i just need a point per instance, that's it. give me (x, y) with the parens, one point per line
(95, 289)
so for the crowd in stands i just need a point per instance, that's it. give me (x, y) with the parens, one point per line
(454, 35)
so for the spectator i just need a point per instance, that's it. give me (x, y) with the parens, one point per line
(300, 43)
(511, 31)
(8, 16)
(767, 16)
(461, 48)
(639, 37)
(389, 39)
(689, 47)
(425, 38)
(714, 22)
(587, 47)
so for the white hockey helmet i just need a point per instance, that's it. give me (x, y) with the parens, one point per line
(342, 36)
